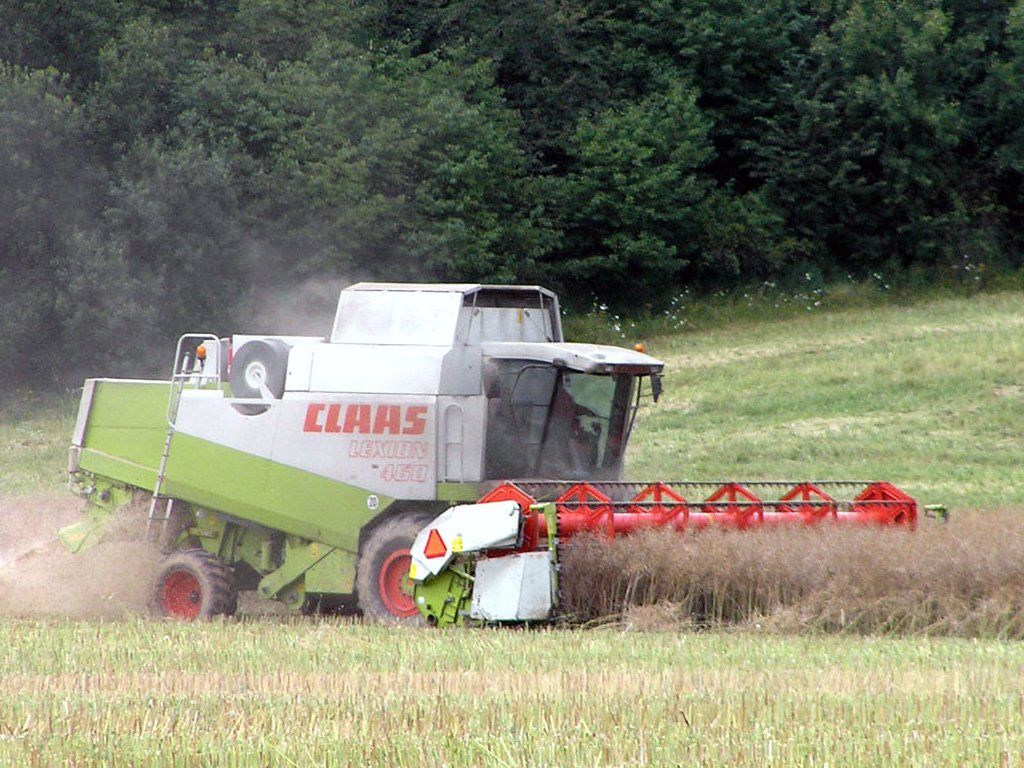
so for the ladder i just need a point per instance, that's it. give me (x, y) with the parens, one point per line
(189, 369)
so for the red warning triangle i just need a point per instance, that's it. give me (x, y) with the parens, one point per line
(435, 545)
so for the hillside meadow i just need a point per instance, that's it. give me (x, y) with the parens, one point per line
(928, 395)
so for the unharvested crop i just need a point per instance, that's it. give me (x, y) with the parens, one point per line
(965, 577)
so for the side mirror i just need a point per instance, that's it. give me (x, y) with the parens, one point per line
(656, 386)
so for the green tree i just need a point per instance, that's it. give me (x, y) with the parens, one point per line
(67, 298)
(634, 201)
(865, 163)
(68, 37)
(174, 215)
(1004, 91)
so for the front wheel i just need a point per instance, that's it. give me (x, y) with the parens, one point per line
(382, 577)
(193, 584)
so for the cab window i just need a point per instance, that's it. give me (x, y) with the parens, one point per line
(546, 422)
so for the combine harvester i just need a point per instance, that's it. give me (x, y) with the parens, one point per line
(394, 467)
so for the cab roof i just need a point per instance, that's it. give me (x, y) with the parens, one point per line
(466, 289)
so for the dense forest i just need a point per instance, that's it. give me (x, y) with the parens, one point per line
(164, 164)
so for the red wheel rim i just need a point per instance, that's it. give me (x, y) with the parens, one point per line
(181, 596)
(395, 586)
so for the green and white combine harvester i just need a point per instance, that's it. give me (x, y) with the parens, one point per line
(421, 463)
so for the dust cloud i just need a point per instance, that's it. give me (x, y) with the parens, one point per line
(306, 309)
(38, 577)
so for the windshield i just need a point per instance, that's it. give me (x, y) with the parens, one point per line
(546, 422)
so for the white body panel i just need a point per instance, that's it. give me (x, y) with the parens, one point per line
(394, 403)
(387, 447)
(505, 323)
(419, 318)
(465, 528)
(444, 314)
(460, 445)
(368, 368)
(239, 339)
(300, 368)
(85, 403)
(207, 415)
(513, 588)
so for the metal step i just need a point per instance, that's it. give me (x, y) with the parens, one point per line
(183, 371)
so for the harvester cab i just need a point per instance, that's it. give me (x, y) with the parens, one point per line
(560, 410)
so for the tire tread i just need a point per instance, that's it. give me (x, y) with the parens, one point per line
(404, 526)
(209, 568)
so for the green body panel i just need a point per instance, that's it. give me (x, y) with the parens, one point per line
(105, 465)
(334, 574)
(444, 600)
(284, 583)
(124, 440)
(274, 495)
(306, 536)
(462, 492)
(105, 498)
(290, 567)
(125, 431)
(550, 512)
(227, 541)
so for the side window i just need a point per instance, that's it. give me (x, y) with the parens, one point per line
(530, 400)
(518, 400)
(592, 398)
(543, 421)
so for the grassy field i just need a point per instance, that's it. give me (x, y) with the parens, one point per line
(35, 431)
(929, 396)
(304, 693)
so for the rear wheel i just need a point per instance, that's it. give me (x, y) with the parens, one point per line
(382, 577)
(193, 584)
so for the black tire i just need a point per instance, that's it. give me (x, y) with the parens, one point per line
(192, 584)
(263, 360)
(380, 550)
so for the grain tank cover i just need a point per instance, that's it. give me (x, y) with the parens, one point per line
(445, 315)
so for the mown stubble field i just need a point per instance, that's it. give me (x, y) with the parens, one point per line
(269, 692)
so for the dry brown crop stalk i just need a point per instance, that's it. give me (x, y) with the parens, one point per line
(962, 578)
